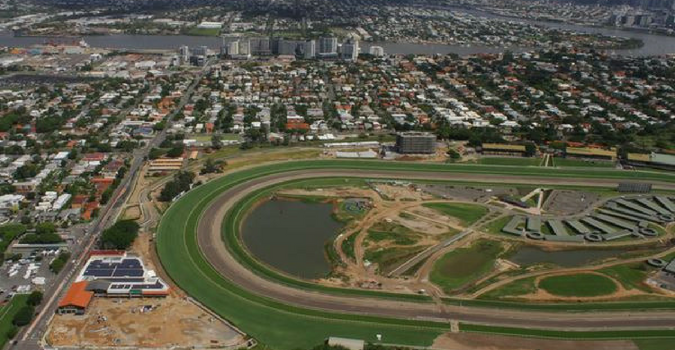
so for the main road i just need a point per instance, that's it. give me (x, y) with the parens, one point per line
(29, 338)
(214, 248)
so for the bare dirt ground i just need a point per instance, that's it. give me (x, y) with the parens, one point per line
(421, 224)
(338, 192)
(475, 341)
(401, 193)
(171, 321)
(132, 212)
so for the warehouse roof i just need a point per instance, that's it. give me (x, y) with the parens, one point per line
(587, 151)
(505, 146)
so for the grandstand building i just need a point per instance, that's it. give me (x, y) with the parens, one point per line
(415, 143)
(503, 149)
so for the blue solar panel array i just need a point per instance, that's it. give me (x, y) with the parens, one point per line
(114, 270)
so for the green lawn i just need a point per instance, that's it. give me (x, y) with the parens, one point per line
(631, 276)
(463, 265)
(513, 289)
(496, 226)
(564, 162)
(7, 234)
(515, 161)
(203, 31)
(7, 312)
(466, 213)
(578, 285)
(655, 344)
(566, 334)
(398, 234)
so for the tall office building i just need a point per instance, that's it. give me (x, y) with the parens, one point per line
(233, 48)
(350, 50)
(184, 52)
(328, 46)
(310, 49)
(288, 47)
(261, 46)
(200, 51)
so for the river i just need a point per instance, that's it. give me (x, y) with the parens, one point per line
(654, 44)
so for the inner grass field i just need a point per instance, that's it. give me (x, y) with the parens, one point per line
(463, 265)
(466, 213)
(578, 285)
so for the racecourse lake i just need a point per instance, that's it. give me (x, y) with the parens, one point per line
(290, 236)
(528, 256)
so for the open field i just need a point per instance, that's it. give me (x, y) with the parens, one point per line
(462, 265)
(566, 334)
(565, 162)
(578, 285)
(514, 161)
(182, 259)
(7, 313)
(203, 31)
(466, 213)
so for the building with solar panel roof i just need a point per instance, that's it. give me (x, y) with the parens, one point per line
(121, 274)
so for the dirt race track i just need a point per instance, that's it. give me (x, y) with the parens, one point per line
(211, 243)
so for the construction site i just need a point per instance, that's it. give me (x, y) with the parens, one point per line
(479, 242)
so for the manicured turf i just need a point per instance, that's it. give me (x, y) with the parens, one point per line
(496, 226)
(513, 289)
(7, 313)
(463, 265)
(564, 162)
(631, 276)
(655, 344)
(515, 161)
(287, 327)
(566, 334)
(466, 213)
(578, 285)
(203, 31)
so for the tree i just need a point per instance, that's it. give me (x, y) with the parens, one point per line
(211, 167)
(530, 149)
(454, 155)
(45, 227)
(180, 183)
(35, 298)
(216, 142)
(23, 316)
(120, 235)
(176, 151)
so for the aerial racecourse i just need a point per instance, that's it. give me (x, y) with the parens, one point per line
(400, 253)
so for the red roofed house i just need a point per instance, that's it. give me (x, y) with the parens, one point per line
(76, 300)
(93, 157)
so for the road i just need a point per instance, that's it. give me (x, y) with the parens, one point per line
(215, 251)
(30, 336)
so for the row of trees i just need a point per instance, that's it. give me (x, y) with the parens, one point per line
(181, 182)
